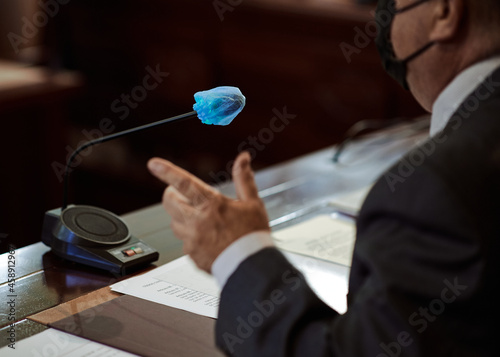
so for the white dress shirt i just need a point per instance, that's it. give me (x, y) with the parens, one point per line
(458, 90)
(446, 104)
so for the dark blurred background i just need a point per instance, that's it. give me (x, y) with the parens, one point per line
(67, 67)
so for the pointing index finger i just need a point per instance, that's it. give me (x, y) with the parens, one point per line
(187, 184)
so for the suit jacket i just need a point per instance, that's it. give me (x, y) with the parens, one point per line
(424, 268)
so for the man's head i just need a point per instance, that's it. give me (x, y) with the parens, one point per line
(463, 32)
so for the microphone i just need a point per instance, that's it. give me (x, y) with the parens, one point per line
(217, 106)
(99, 238)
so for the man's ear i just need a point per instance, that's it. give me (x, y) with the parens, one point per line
(448, 16)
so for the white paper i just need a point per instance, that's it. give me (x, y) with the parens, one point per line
(172, 284)
(329, 281)
(351, 202)
(322, 237)
(178, 284)
(55, 343)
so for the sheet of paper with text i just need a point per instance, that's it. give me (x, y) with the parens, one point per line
(56, 343)
(322, 237)
(320, 248)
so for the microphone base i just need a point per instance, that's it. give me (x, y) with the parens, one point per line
(95, 237)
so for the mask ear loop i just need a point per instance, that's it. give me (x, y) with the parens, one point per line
(418, 53)
(398, 64)
(423, 49)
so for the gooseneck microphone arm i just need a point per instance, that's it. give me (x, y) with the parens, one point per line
(104, 139)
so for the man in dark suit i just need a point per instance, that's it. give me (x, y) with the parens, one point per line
(424, 272)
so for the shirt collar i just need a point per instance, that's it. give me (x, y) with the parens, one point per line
(458, 90)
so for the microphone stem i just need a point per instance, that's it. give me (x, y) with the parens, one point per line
(111, 137)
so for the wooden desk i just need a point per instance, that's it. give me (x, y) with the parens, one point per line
(49, 289)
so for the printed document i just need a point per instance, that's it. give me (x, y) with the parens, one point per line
(322, 237)
(180, 284)
(56, 343)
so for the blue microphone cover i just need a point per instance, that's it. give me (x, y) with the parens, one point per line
(219, 106)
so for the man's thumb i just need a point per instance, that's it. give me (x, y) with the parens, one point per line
(243, 179)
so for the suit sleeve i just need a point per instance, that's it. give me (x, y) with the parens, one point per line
(415, 268)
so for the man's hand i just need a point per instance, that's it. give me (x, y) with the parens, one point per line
(203, 218)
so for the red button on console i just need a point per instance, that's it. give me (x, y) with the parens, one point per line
(129, 252)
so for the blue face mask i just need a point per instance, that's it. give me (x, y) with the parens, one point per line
(384, 17)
